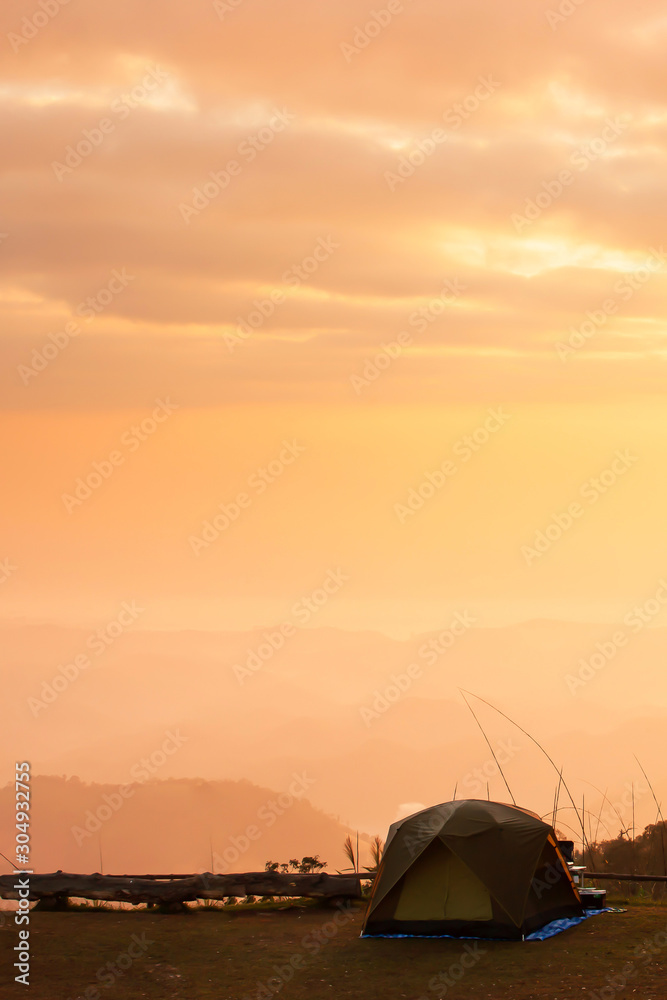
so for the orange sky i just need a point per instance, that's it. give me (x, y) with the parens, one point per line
(423, 216)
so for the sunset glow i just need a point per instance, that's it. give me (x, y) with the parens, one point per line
(299, 289)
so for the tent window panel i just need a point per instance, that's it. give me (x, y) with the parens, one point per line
(439, 886)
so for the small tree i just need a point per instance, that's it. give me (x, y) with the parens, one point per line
(377, 847)
(348, 850)
(308, 865)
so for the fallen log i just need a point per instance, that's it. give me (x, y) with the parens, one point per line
(59, 886)
(626, 878)
(360, 875)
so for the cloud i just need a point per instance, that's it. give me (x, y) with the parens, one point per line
(407, 809)
(79, 207)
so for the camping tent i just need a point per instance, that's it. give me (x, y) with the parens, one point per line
(470, 868)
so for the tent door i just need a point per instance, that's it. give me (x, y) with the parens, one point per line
(439, 886)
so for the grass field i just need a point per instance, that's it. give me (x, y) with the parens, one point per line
(310, 952)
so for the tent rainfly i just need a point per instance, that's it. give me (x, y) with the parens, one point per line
(470, 868)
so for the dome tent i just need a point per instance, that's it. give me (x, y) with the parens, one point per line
(470, 868)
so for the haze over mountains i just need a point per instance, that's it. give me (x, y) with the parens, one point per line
(262, 331)
(171, 826)
(375, 725)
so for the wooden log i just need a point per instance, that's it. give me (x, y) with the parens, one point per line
(626, 878)
(360, 875)
(135, 890)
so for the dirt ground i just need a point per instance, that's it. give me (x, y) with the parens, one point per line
(311, 952)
